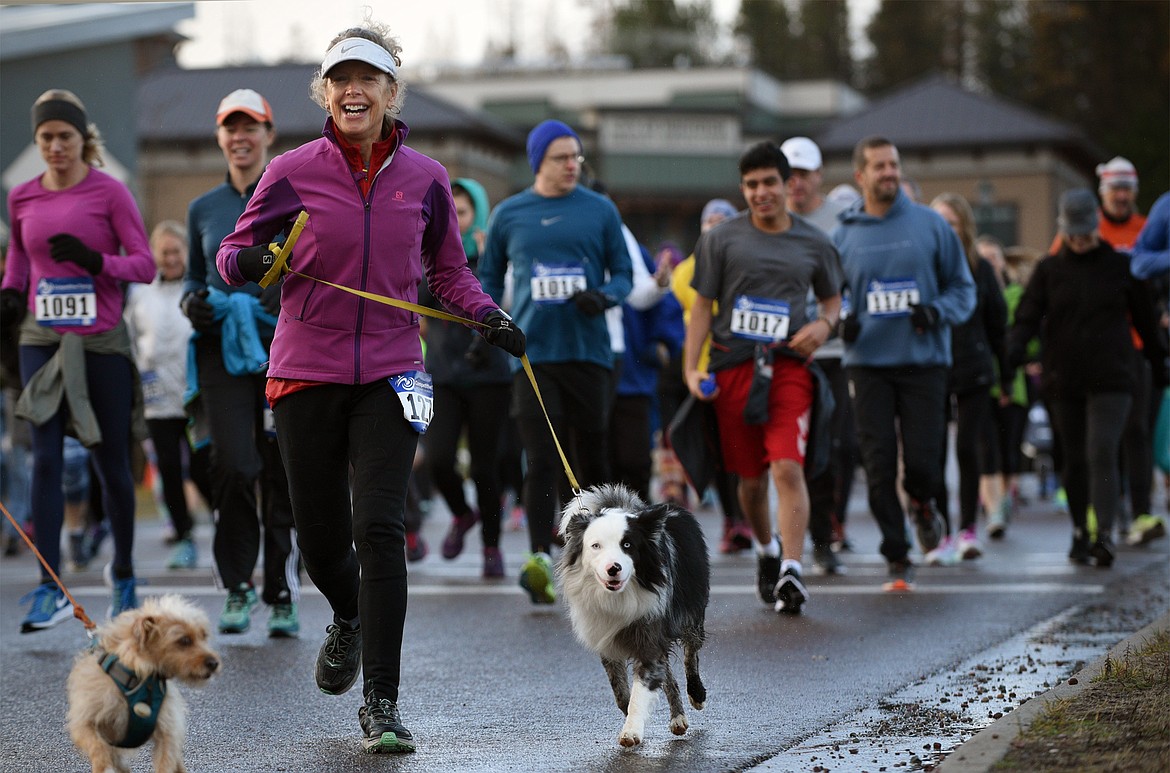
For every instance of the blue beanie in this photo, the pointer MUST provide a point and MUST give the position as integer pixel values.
(542, 136)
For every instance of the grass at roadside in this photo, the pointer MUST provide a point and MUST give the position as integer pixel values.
(1119, 722)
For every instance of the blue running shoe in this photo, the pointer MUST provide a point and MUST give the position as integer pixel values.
(125, 596)
(183, 555)
(49, 607)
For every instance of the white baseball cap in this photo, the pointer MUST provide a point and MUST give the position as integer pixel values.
(244, 101)
(802, 153)
(359, 50)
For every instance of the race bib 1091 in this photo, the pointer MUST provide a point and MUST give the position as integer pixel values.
(66, 302)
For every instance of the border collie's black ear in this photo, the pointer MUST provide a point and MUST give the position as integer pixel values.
(574, 530)
(653, 520)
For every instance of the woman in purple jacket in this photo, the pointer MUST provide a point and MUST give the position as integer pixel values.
(346, 379)
(77, 237)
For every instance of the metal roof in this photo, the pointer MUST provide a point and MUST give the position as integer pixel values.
(37, 30)
(936, 113)
(179, 105)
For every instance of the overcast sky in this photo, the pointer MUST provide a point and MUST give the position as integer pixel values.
(431, 31)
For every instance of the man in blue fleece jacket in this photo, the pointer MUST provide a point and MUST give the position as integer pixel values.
(909, 282)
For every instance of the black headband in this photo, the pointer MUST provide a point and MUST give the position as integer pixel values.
(60, 110)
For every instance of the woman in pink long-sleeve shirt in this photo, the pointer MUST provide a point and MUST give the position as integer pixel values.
(77, 238)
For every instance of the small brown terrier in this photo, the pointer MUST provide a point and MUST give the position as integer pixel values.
(118, 694)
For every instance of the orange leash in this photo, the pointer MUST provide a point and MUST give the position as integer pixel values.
(78, 610)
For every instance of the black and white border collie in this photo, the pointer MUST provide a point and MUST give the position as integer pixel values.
(636, 579)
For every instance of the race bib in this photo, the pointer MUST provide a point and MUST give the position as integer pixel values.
(416, 392)
(760, 319)
(152, 390)
(556, 284)
(66, 302)
(891, 297)
(269, 420)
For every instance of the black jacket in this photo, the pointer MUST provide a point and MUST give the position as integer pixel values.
(977, 345)
(1082, 306)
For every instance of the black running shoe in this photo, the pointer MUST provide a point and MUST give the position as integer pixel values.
(791, 594)
(382, 729)
(826, 560)
(767, 575)
(340, 659)
(1102, 553)
(930, 524)
(901, 577)
(1079, 552)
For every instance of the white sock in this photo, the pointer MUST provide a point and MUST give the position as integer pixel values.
(791, 563)
(771, 549)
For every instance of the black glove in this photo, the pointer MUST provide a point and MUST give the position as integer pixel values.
(254, 262)
(13, 307)
(502, 332)
(849, 328)
(70, 248)
(591, 302)
(270, 297)
(198, 310)
(477, 353)
(923, 316)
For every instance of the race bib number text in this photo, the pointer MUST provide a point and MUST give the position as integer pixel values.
(760, 319)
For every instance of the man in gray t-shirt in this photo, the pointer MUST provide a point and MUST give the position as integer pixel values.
(753, 274)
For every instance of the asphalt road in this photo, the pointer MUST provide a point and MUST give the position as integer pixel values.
(863, 680)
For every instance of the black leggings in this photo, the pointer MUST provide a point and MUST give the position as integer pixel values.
(353, 543)
(169, 438)
(1090, 430)
(576, 396)
(483, 410)
(110, 381)
(976, 449)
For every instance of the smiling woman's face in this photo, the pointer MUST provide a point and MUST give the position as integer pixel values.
(358, 96)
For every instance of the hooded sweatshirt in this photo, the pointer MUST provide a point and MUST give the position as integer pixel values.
(912, 252)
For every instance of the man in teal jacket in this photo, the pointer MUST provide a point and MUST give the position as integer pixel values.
(569, 264)
(909, 282)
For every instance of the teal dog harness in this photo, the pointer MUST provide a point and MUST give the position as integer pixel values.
(144, 698)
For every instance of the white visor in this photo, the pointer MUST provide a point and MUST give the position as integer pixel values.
(359, 50)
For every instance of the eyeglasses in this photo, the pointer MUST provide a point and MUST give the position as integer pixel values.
(565, 158)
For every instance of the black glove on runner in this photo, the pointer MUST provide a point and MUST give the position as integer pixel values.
(198, 310)
(849, 329)
(502, 332)
(923, 316)
(70, 248)
(13, 306)
(591, 302)
(254, 262)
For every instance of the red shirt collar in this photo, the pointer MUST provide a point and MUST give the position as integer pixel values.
(381, 151)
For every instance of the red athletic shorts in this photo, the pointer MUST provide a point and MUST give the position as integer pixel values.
(748, 449)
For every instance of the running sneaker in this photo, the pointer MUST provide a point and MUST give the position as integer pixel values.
(340, 658)
(767, 577)
(49, 607)
(125, 596)
(1079, 552)
(536, 577)
(826, 560)
(929, 523)
(901, 577)
(1102, 553)
(183, 555)
(283, 621)
(968, 546)
(790, 593)
(997, 519)
(382, 727)
(236, 616)
(124, 591)
(493, 563)
(946, 554)
(1145, 528)
(460, 525)
(416, 547)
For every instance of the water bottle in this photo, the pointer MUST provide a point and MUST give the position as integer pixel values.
(707, 385)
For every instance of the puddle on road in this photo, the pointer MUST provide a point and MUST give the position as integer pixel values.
(918, 726)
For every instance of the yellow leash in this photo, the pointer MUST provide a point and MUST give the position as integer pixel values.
(280, 266)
